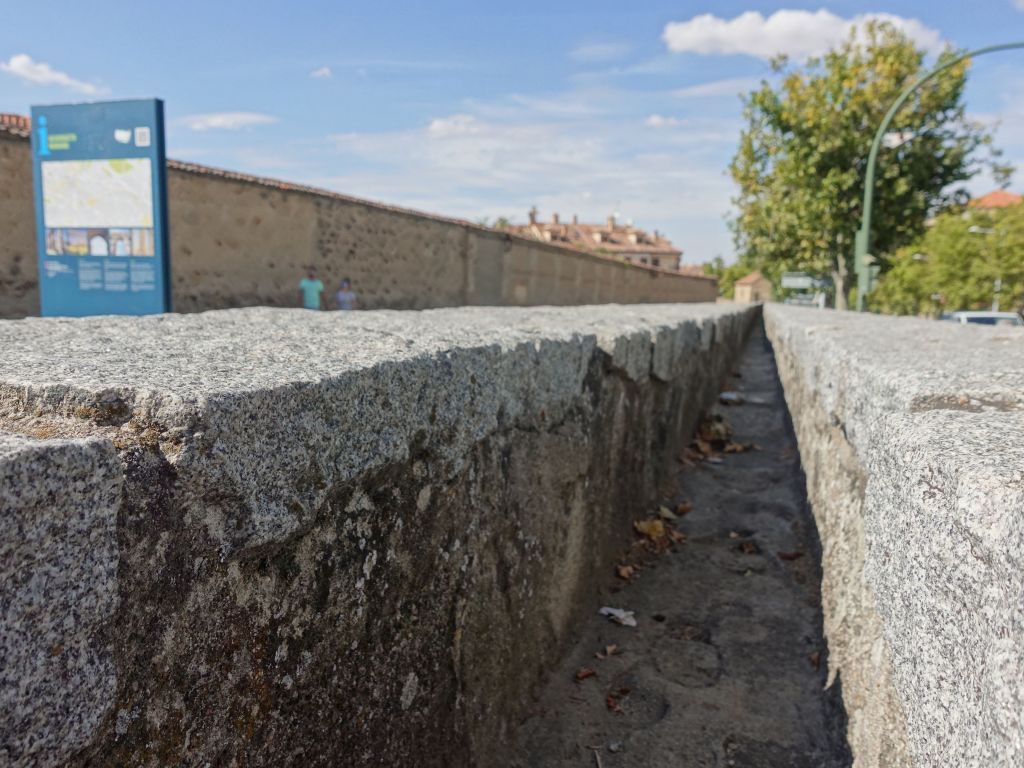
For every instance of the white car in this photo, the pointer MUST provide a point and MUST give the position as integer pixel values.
(986, 318)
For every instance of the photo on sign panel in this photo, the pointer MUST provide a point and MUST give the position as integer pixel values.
(120, 242)
(76, 242)
(142, 242)
(54, 242)
(99, 242)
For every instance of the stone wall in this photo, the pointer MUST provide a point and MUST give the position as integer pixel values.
(911, 434)
(19, 273)
(262, 536)
(238, 240)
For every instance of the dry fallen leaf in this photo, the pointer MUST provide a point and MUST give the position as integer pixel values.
(790, 555)
(625, 572)
(815, 659)
(749, 548)
(738, 447)
(676, 536)
(613, 698)
(684, 508)
(653, 529)
(583, 673)
(733, 535)
(609, 651)
(667, 514)
(715, 429)
(703, 446)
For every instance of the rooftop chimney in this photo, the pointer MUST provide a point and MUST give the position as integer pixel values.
(533, 215)
(611, 223)
(554, 218)
(575, 219)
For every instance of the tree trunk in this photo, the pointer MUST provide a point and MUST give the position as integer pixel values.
(839, 281)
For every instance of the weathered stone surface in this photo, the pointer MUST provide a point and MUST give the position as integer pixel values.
(723, 666)
(359, 537)
(912, 437)
(58, 568)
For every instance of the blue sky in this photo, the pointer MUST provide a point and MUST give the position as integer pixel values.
(588, 107)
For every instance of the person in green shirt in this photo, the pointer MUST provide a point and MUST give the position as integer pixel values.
(310, 288)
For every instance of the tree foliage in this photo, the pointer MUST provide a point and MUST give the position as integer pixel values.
(802, 157)
(954, 265)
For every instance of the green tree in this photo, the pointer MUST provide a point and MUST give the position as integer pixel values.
(956, 263)
(801, 161)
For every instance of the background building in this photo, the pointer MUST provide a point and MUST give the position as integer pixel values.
(752, 289)
(999, 198)
(624, 241)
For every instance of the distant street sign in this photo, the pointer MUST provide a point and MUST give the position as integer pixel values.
(799, 281)
(101, 208)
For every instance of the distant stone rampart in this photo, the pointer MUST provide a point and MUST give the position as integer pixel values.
(240, 240)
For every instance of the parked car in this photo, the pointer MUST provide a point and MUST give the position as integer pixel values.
(986, 318)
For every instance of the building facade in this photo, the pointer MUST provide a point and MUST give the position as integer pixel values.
(754, 288)
(623, 241)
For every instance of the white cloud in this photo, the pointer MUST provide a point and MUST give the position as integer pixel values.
(501, 157)
(599, 52)
(229, 121)
(24, 66)
(1019, 4)
(730, 87)
(799, 34)
(1006, 121)
(455, 125)
(660, 121)
(572, 105)
(322, 72)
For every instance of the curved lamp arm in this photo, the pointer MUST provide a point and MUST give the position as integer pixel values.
(862, 244)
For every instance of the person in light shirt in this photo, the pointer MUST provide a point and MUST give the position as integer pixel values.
(345, 298)
(310, 288)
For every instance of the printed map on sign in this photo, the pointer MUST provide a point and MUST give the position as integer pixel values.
(98, 193)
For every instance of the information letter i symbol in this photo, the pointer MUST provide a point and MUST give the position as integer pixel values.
(44, 137)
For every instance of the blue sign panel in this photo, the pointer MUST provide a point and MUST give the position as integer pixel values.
(101, 208)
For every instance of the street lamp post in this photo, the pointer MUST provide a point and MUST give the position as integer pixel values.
(864, 264)
(997, 284)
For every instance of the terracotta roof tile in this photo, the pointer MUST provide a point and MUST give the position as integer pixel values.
(18, 125)
(999, 198)
(753, 277)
